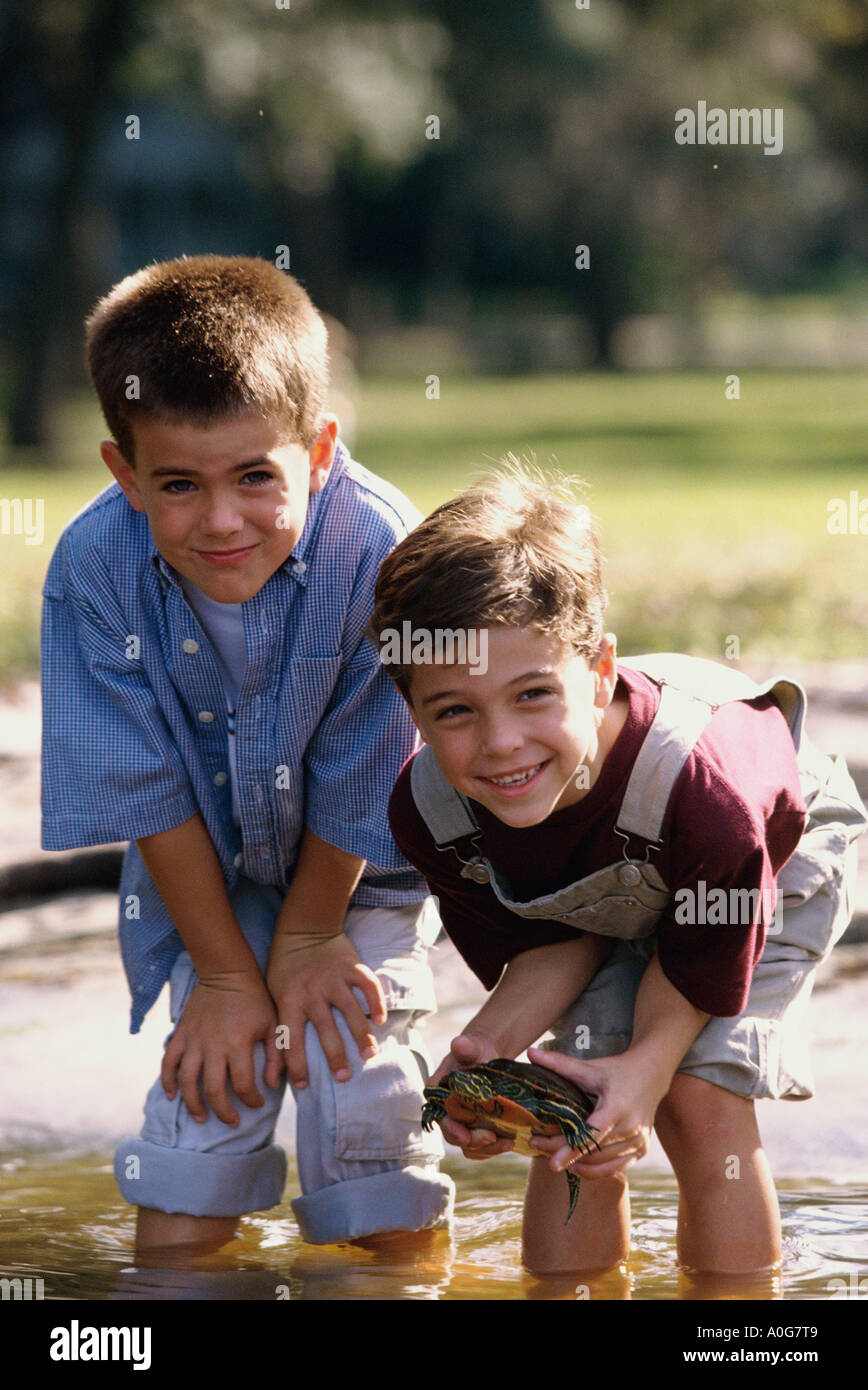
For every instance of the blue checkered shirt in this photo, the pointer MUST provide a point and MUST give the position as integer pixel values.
(135, 718)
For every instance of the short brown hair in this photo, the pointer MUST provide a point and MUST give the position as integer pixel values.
(205, 338)
(515, 548)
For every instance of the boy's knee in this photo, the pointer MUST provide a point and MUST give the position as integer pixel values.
(364, 1162)
(693, 1110)
(375, 1118)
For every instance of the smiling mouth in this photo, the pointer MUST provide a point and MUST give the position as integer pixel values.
(225, 557)
(510, 781)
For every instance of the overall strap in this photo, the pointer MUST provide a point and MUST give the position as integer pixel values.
(675, 731)
(691, 690)
(443, 809)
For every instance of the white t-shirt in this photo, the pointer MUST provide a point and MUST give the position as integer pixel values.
(224, 624)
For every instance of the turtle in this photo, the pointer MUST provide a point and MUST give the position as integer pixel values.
(516, 1100)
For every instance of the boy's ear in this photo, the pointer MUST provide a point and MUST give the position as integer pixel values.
(606, 671)
(123, 472)
(322, 453)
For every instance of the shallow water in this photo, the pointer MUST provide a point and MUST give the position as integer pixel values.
(62, 1220)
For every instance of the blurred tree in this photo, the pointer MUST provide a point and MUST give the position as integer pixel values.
(58, 67)
(559, 132)
(566, 137)
(293, 93)
(835, 90)
(431, 153)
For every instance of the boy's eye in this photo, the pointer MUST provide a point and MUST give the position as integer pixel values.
(257, 477)
(531, 695)
(450, 711)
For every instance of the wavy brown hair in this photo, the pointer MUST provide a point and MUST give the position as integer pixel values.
(515, 548)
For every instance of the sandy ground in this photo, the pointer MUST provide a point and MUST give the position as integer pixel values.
(74, 1078)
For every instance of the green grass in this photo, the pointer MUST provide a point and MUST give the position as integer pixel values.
(713, 512)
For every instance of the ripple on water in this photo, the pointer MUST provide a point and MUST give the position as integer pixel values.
(63, 1219)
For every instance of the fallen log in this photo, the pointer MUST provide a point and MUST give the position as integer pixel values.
(48, 877)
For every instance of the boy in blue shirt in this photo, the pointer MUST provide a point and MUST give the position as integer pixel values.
(208, 695)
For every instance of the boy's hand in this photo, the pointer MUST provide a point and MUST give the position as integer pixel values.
(467, 1050)
(535, 988)
(224, 1016)
(628, 1094)
(308, 976)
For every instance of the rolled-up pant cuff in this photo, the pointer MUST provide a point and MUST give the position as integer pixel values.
(199, 1184)
(414, 1198)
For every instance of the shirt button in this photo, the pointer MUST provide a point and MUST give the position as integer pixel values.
(238, 860)
(221, 779)
(299, 567)
(190, 646)
(629, 876)
(205, 716)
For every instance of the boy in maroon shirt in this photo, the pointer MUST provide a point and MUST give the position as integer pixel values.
(648, 862)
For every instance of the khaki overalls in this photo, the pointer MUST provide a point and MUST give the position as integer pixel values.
(764, 1052)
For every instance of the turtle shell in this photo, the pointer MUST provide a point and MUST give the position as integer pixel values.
(517, 1108)
(518, 1101)
(541, 1081)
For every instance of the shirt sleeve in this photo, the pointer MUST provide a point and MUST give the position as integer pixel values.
(110, 768)
(364, 737)
(726, 851)
(711, 962)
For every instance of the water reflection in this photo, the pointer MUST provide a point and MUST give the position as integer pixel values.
(63, 1221)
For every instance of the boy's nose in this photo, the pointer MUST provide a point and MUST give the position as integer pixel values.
(499, 737)
(220, 517)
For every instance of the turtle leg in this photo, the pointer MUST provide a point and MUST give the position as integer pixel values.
(434, 1109)
(578, 1135)
(573, 1184)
